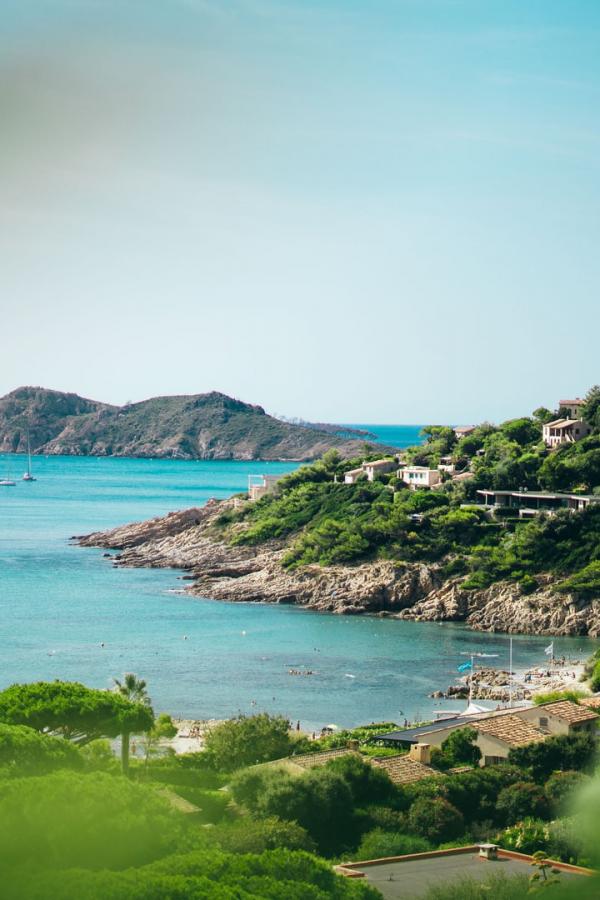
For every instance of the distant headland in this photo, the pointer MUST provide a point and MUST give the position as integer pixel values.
(196, 426)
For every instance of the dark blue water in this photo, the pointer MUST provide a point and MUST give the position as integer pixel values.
(59, 602)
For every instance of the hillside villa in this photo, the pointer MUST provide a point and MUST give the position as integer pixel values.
(531, 503)
(500, 730)
(419, 476)
(370, 469)
(259, 485)
(570, 427)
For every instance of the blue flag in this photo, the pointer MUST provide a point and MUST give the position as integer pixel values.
(465, 667)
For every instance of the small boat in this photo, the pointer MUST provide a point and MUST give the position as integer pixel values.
(28, 476)
(7, 482)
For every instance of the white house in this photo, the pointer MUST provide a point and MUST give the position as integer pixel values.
(371, 469)
(419, 476)
(353, 475)
(259, 485)
(379, 467)
(564, 431)
(462, 431)
(446, 464)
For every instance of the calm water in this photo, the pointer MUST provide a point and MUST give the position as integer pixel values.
(394, 435)
(58, 603)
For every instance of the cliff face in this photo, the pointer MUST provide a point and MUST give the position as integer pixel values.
(186, 540)
(200, 426)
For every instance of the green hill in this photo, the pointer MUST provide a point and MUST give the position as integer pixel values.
(198, 426)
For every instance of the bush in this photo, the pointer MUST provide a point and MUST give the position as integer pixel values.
(516, 801)
(201, 875)
(368, 785)
(435, 819)
(560, 788)
(499, 886)
(246, 740)
(527, 836)
(320, 801)
(251, 836)
(460, 748)
(378, 844)
(561, 752)
(24, 751)
(97, 820)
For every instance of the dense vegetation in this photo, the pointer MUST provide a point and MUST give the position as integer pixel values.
(325, 521)
(72, 824)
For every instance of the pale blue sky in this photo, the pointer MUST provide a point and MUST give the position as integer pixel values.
(378, 211)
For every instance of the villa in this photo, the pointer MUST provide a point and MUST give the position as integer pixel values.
(564, 431)
(462, 431)
(259, 485)
(370, 470)
(499, 731)
(570, 427)
(532, 503)
(419, 476)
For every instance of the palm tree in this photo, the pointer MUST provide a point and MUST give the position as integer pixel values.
(133, 689)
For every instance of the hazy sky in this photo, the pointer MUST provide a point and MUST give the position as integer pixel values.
(374, 211)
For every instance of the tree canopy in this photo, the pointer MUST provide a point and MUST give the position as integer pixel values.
(246, 740)
(76, 712)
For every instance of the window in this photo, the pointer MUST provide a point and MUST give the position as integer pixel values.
(543, 722)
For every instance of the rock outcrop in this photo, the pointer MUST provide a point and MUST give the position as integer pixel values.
(189, 540)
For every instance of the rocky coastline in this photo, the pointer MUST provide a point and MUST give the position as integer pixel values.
(188, 540)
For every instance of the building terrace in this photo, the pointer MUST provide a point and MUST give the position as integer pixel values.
(531, 503)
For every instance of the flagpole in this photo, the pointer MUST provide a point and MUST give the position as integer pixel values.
(471, 682)
(510, 676)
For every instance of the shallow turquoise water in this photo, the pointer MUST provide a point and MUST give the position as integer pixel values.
(59, 602)
(394, 435)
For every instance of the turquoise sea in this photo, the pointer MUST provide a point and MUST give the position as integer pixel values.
(59, 603)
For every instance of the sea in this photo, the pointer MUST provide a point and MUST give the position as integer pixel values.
(68, 613)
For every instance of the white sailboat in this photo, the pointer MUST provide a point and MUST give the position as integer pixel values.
(27, 475)
(7, 482)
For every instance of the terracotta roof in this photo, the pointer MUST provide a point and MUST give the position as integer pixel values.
(591, 702)
(403, 769)
(577, 402)
(510, 730)
(310, 760)
(379, 462)
(561, 423)
(569, 712)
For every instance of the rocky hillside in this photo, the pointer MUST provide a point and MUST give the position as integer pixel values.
(199, 426)
(189, 540)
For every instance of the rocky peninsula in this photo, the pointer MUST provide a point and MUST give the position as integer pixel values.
(190, 540)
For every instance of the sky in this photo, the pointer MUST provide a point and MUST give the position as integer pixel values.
(376, 211)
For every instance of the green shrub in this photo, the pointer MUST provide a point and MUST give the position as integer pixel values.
(255, 836)
(97, 820)
(378, 844)
(561, 787)
(24, 751)
(460, 748)
(435, 819)
(527, 836)
(561, 752)
(247, 740)
(516, 801)
(499, 886)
